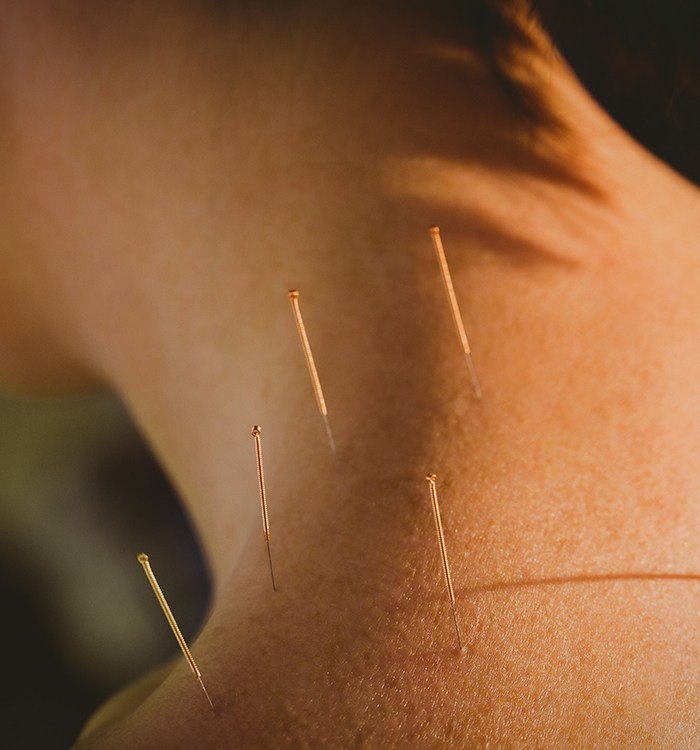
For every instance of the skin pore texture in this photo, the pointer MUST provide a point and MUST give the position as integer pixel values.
(171, 170)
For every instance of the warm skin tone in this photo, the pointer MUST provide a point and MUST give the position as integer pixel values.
(169, 178)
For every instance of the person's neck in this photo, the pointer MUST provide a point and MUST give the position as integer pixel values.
(339, 208)
(213, 349)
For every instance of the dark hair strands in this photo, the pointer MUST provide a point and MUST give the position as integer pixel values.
(639, 58)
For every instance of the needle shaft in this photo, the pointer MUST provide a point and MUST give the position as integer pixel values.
(432, 481)
(454, 307)
(145, 563)
(311, 365)
(263, 499)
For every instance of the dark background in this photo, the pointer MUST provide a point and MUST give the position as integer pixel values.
(80, 497)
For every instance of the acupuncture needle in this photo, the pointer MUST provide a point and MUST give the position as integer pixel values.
(432, 481)
(143, 559)
(313, 372)
(454, 307)
(255, 432)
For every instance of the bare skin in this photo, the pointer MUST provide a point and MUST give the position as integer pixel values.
(171, 174)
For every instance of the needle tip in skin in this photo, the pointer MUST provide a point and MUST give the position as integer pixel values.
(459, 634)
(472, 374)
(272, 572)
(327, 425)
(206, 692)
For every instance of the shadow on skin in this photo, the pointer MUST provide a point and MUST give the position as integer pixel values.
(564, 580)
(436, 655)
(490, 588)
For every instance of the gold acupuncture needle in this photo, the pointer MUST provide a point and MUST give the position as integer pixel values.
(432, 481)
(143, 559)
(454, 307)
(315, 381)
(263, 500)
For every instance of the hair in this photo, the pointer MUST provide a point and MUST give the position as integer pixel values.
(639, 58)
